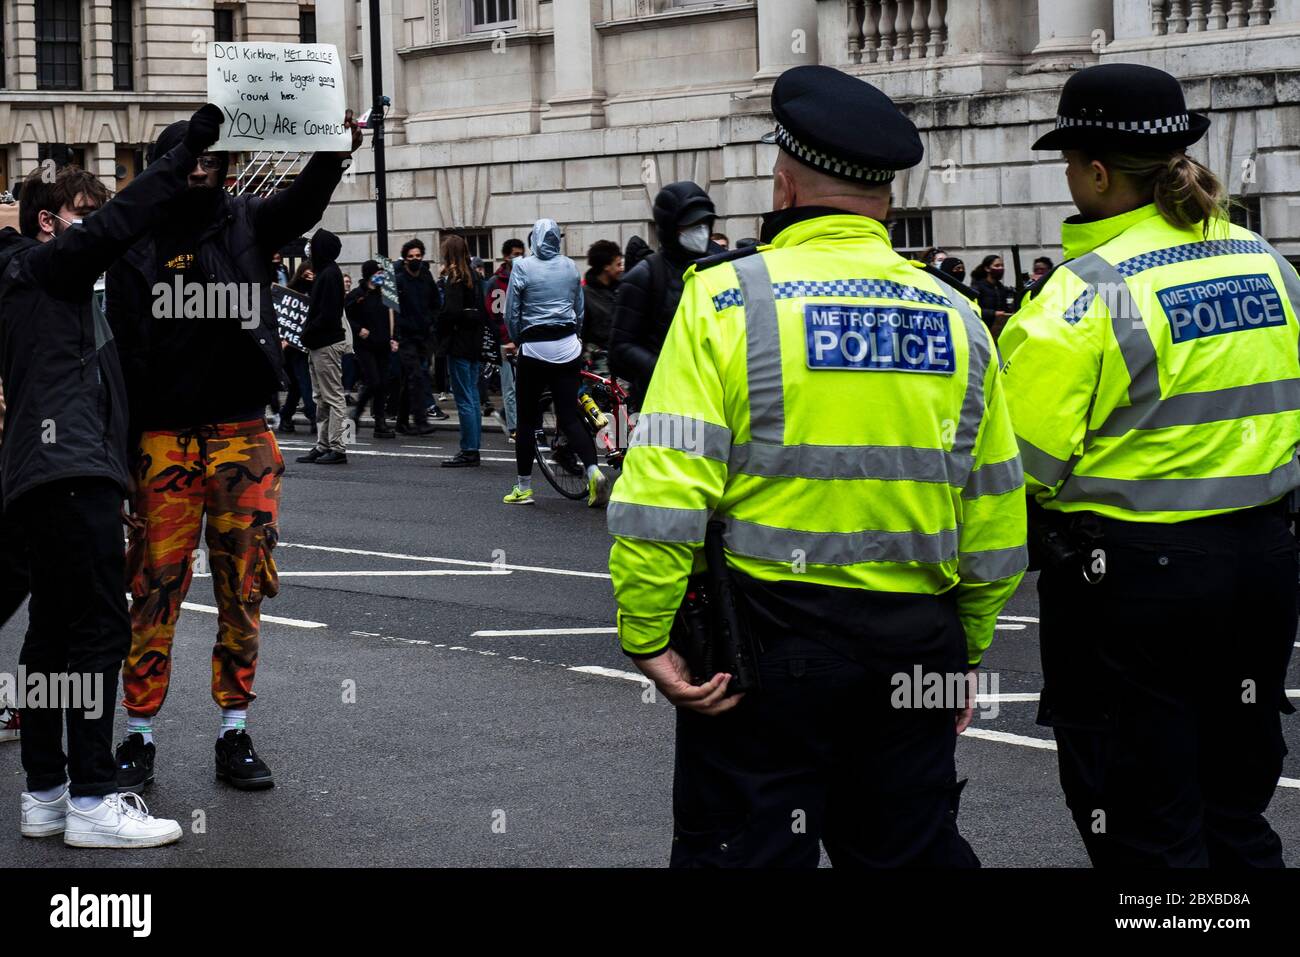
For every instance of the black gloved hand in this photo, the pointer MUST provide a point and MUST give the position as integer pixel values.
(204, 129)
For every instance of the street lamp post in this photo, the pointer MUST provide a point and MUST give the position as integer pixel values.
(377, 125)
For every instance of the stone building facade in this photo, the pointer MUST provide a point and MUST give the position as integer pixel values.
(96, 80)
(508, 110)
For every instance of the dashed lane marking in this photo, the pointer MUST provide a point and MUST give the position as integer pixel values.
(273, 619)
(545, 631)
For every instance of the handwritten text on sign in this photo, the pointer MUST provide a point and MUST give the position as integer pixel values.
(278, 96)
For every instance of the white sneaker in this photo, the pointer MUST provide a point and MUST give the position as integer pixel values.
(43, 818)
(120, 820)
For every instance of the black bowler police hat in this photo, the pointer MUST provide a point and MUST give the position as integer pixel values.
(842, 126)
(1123, 106)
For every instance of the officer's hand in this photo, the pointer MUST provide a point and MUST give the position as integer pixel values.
(967, 714)
(673, 679)
(204, 128)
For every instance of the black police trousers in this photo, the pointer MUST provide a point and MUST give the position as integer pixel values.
(1164, 684)
(819, 754)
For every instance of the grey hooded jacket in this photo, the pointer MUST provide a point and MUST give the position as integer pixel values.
(544, 301)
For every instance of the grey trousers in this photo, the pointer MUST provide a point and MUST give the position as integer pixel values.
(326, 367)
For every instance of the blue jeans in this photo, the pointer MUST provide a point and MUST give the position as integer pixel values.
(464, 375)
(508, 391)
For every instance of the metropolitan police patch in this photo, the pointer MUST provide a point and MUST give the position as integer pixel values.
(878, 338)
(1212, 307)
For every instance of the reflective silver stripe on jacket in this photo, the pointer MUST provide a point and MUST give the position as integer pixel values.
(886, 462)
(1183, 494)
(762, 352)
(972, 408)
(839, 548)
(995, 478)
(1048, 469)
(683, 433)
(992, 565)
(657, 524)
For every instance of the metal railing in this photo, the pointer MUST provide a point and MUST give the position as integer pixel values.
(265, 172)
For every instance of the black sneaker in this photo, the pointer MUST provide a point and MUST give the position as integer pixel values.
(333, 458)
(437, 413)
(286, 428)
(135, 763)
(311, 456)
(463, 460)
(239, 765)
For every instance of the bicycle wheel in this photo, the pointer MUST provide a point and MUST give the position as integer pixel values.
(557, 459)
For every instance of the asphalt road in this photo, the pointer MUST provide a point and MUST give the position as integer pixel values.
(410, 718)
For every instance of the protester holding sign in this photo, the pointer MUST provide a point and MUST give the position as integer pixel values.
(201, 444)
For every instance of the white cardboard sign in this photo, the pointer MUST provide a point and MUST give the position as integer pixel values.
(278, 96)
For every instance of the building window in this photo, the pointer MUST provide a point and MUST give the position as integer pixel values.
(58, 44)
(492, 14)
(223, 25)
(1244, 211)
(479, 241)
(911, 231)
(307, 25)
(62, 154)
(122, 56)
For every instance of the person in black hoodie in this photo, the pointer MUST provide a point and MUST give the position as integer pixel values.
(323, 335)
(417, 295)
(648, 297)
(600, 287)
(296, 369)
(200, 444)
(64, 469)
(374, 339)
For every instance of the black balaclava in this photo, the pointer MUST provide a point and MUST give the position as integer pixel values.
(197, 205)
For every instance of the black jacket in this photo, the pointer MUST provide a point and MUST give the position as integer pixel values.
(235, 246)
(461, 321)
(598, 312)
(994, 297)
(648, 296)
(66, 414)
(418, 297)
(324, 323)
(366, 310)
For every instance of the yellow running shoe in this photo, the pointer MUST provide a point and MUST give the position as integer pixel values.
(519, 496)
(597, 490)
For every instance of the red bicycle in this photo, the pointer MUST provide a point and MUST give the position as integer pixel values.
(602, 404)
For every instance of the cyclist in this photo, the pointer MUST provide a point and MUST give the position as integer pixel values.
(544, 311)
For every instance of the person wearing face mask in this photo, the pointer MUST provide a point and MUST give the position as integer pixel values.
(997, 302)
(64, 471)
(648, 296)
(878, 540)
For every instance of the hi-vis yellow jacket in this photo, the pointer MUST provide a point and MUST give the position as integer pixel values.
(1156, 377)
(837, 407)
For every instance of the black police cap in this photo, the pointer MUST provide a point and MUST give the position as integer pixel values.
(842, 126)
(1123, 106)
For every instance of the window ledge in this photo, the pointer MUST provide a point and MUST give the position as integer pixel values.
(694, 14)
(472, 41)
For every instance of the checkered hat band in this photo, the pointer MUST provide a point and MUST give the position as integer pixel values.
(1170, 124)
(837, 289)
(829, 164)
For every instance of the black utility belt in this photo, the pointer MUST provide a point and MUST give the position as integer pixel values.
(548, 333)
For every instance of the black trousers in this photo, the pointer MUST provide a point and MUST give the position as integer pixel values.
(819, 754)
(1164, 685)
(13, 566)
(414, 356)
(532, 378)
(374, 384)
(78, 625)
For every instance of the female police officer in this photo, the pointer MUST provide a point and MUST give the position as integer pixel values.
(1154, 389)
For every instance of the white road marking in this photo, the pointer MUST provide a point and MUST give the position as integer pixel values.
(1032, 621)
(293, 622)
(446, 561)
(612, 673)
(1007, 738)
(545, 631)
(405, 572)
(1016, 696)
(1010, 627)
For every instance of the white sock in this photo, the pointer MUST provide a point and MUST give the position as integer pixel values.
(49, 794)
(87, 803)
(524, 482)
(142, 726)
(233, 719)
(593, 471)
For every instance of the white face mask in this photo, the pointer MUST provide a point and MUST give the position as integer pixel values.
(695, 239)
